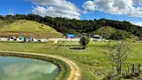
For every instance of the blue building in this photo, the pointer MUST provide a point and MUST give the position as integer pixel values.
(70, 36)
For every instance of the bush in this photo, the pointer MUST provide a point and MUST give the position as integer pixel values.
(119, 35)
(84, 41)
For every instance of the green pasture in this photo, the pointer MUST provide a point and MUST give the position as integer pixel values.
(29, 29)
(93, 60)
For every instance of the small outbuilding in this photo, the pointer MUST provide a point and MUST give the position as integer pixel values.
(70, 36)
(96, 36)
(30, 39)
(22, 38)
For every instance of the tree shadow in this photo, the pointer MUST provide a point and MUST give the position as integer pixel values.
(77, 48)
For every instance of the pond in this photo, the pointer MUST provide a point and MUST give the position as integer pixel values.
(13, 68)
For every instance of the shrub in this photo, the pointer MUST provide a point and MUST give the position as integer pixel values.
(84, 41)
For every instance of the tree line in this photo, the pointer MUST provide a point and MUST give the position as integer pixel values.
(65, 25)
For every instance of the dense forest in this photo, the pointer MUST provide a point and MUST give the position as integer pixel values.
(65, 25)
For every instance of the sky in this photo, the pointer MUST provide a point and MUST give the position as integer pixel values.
(129, 10)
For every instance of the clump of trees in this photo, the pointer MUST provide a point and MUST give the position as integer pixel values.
(122, 35)
(114, 34)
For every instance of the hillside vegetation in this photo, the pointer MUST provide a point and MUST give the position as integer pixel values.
(115, 34)
(29, 29)
(65, 25)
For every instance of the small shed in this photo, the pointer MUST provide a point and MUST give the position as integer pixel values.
(96, 36)
(22, 38)
(70, 35)
(30, 39)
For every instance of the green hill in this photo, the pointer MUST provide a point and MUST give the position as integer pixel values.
(112, 33)
(28, 29)
(65, 25)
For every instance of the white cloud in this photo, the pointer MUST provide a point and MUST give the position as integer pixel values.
(138, 23)
(56, 8)
(120, 7)
(89, 5)
(10, 12)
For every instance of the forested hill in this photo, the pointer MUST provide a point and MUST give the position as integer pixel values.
(65, 25)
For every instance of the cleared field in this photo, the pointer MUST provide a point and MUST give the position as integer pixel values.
(29, 29)
(93, 61)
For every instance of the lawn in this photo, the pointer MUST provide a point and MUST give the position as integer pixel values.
(92, 61)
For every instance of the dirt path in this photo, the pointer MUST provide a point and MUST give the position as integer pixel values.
(75, 71)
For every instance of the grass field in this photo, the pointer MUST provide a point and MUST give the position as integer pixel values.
(92, 61)
(28, 28)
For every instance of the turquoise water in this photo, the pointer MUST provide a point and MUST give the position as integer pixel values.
(12, 68)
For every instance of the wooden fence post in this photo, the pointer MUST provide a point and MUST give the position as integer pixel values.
(133, 68)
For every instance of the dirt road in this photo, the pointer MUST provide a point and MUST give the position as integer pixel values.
(75, 71)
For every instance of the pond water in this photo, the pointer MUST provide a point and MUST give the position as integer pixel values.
(13, 68)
